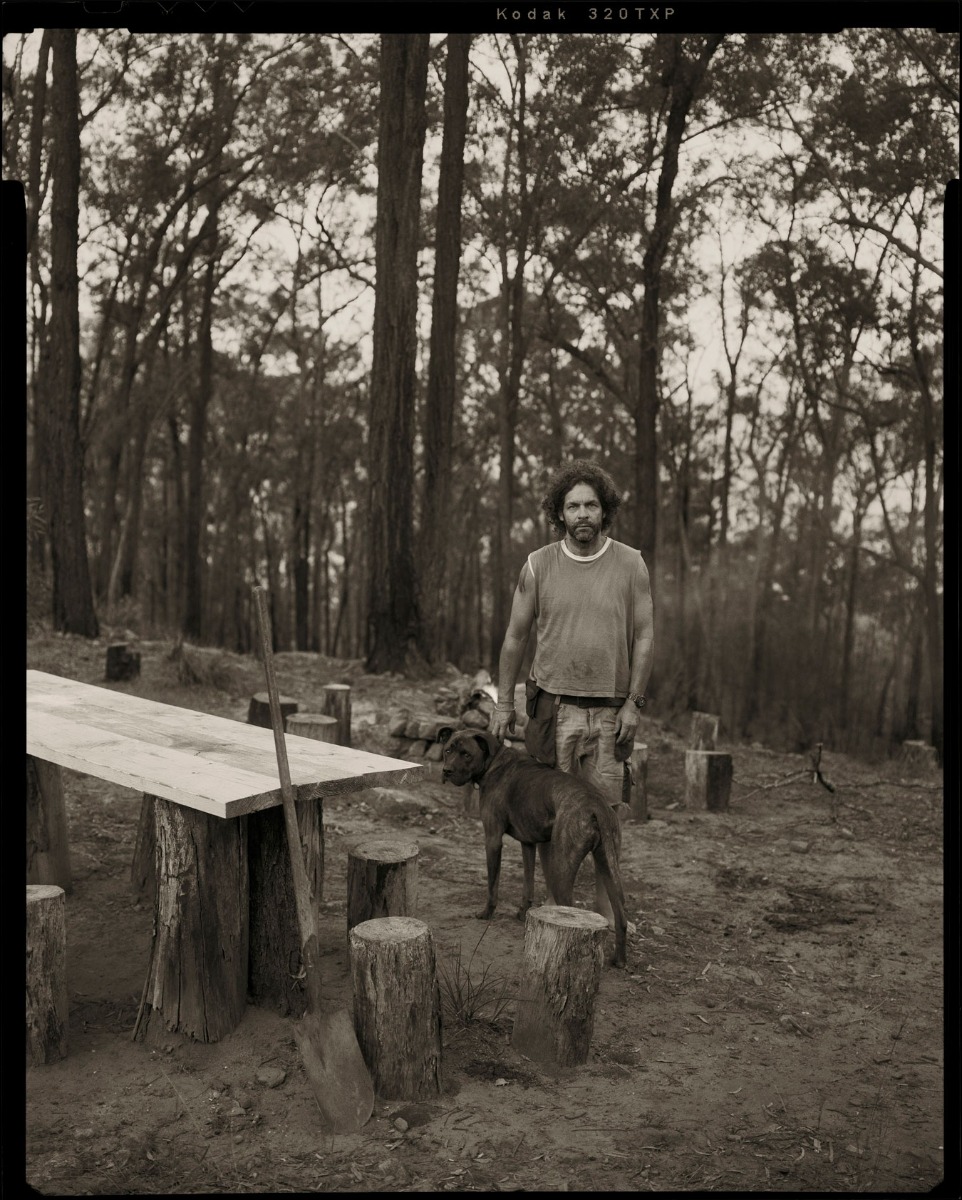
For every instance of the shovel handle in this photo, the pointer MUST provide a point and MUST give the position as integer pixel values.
(302, 888)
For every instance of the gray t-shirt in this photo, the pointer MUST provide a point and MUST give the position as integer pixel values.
(585, 618)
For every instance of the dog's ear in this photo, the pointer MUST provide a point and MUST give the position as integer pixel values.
(487, 741)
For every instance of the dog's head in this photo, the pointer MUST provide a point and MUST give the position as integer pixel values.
(467, 755)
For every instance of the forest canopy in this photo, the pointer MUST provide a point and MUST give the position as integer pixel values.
(322, 312)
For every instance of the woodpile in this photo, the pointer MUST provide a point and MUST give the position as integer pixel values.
(420, 737)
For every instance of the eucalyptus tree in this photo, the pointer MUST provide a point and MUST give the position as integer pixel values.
(59, 372)
(392, 609)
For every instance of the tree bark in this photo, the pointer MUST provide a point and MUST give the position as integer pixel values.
(397, 1006)
(47, 1003)
(382, 880)
(58, 393)
(441, 398)
(560, 974)
(684, 77)
(392, 610)
(197, 977)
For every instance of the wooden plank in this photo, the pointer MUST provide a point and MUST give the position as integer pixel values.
(219, 766)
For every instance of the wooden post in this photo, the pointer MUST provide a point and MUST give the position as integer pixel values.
(46, 974)
(382, 880)
(708, 779)
(318, 726)
(919, 756)
(122, 664)
(259, 711)
(639, 782)
(274, 957)
(560, 973)
(197, 975)
(48, 852)
(704, 731)
(337, 703)
(143, 867)
(397, 1006)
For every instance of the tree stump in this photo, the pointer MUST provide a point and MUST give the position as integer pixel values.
(48, 852)
(337, 703)
(638, 769)
(318, 726)
(919, 756)
(259, 711)
(708, 779)
(143, 867)
(397, 1006)
(122, 663)
(274, 957)
(197, 975)
(704, 731)
(46, 974)
(382, 880)
(560, 973)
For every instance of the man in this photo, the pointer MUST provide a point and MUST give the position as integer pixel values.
(589, 599)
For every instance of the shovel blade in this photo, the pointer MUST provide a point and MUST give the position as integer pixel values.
(336, 1069)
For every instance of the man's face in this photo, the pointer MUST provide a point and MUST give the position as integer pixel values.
(582, 513)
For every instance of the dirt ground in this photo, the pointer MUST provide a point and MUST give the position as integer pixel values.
(779, 1027)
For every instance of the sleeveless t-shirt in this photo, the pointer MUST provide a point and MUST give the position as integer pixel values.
(584, 613)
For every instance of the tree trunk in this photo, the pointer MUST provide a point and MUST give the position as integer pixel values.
(440, 401)
(197, 977)
(393, 619)
(58, 394)
(684, 77)
(47, 1003)
(193, 626)
(397, 1006)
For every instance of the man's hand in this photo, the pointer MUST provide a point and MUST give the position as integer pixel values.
(627, 722)
(502, 720)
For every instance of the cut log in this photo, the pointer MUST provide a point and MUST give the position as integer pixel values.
(382, 880)
(560, 972)
(415, 750)
(143, 868)
(397, 1006)
(704, 731)
(436, 729)
(638, 770)
(919, 756)
(398, 725)
(274, 960)
(318, 726)
(46, 974)
(122, 663)
(337, 703)
(197, 975)
(434, 752)
(48, 852)
(472, 719)
(259, 711)
(708, 779)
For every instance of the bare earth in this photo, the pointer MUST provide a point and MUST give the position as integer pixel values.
(779, 1027)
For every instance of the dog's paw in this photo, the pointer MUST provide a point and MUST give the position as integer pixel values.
(522, 912)
(486, 915)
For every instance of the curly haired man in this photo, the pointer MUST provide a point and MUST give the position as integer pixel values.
(589, 600)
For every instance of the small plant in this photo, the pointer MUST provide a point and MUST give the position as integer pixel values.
(467, 998)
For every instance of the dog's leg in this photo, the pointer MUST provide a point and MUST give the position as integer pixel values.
(527, 896)
(608, 876)
(544, 854)
(492, 848)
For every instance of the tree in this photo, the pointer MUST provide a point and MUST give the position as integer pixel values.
(393, 616)
(58, 392)
(439, 403)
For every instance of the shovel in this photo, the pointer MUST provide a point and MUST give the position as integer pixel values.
(328, 1044)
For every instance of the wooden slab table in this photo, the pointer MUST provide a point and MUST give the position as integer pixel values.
(224, 918)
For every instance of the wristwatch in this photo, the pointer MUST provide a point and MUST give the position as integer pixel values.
(637, 700)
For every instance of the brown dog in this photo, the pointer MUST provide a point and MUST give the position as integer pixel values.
(563, 815)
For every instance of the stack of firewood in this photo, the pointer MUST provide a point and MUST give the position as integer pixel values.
(421, 736)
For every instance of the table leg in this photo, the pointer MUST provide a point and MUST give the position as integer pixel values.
(275, 941)
(48, 854)
(197, 975)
